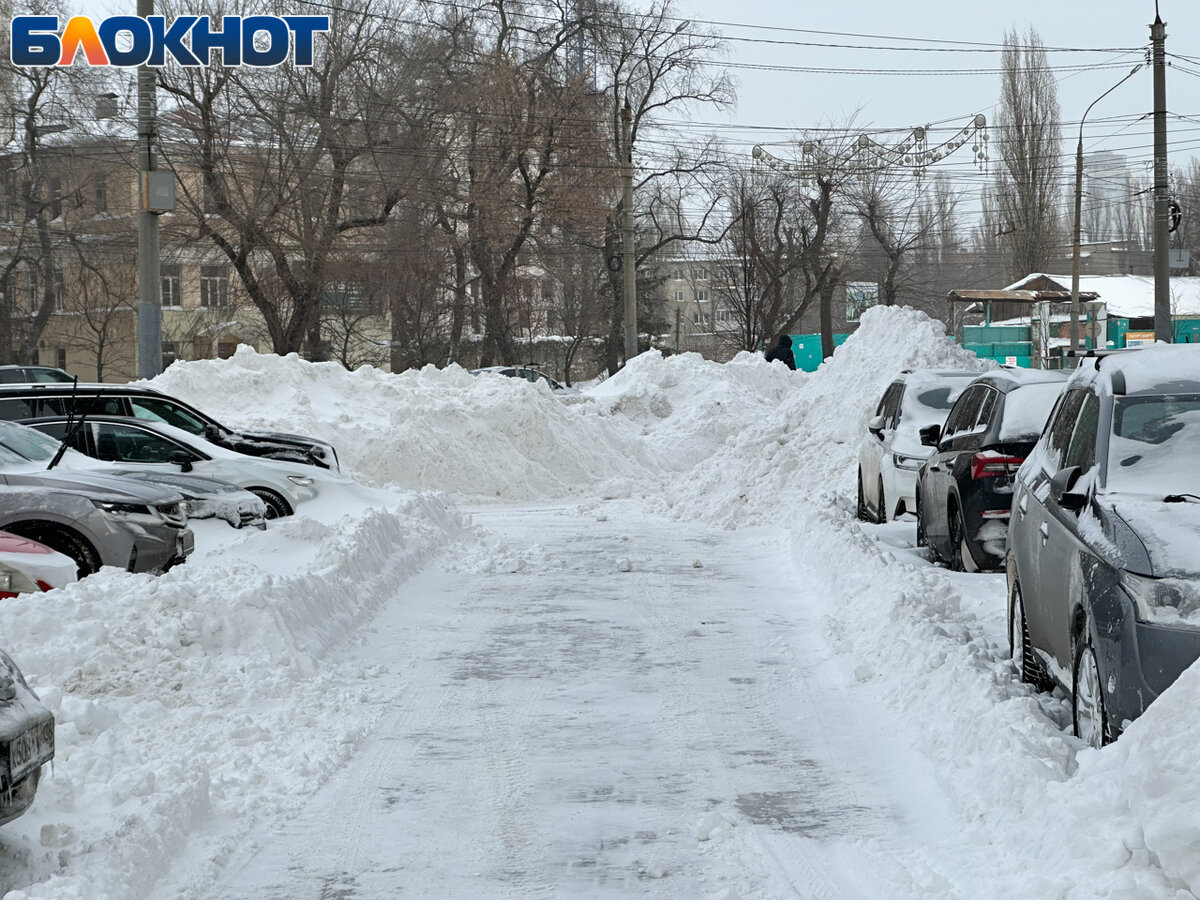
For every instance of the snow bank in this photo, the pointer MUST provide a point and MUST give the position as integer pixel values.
(201, 697)
(428, 429)
(807, 445)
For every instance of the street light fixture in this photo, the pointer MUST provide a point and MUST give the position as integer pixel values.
(1078, 205)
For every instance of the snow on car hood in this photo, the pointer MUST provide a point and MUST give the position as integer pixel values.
(1169, 533)
(91, 483)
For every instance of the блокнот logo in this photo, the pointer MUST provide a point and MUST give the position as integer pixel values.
(133, 41)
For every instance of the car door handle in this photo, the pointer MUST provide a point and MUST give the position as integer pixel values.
(1044, 531)
(935, 468)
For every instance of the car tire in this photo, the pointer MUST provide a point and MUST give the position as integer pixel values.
(861, 512)
(1020, 650)
(277, 507)
(882, 517)
(921, 539)
(1089, 718)
(64, 540)
(961, 559)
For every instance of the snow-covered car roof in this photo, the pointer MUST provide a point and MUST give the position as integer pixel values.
(1155, 368)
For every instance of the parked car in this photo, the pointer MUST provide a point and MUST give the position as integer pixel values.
(891, 452)
(97, 520)
(26, 740)
(1103, 558)
(964, 488)
(205, 498)
(27, 567)
(528, 373)
(27, 374)
(38, 401)
(158, 447)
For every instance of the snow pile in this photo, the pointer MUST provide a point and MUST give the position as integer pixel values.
(808, 444)
(179, 699)
(428, 429)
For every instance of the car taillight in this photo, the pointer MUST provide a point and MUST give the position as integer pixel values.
(989, 464)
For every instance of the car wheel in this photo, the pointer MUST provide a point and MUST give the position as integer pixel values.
(1019, 647)
(277, 507)
(921, 541)
(883, 507)
(961, 559)
(1087, 699)
(863, 515)
(64, 540)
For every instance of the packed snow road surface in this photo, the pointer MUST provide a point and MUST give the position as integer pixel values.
(603, 703)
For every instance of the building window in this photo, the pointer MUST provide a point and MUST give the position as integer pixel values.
(170, 352)
(101, 195)
(702, 274)
(60, 357)
(60, 292)
(679, 296)
(701, 296)
(226, 349)
(214, 286)
(54, 198)
(172, 285)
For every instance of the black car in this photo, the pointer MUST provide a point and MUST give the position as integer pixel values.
(19, 403)
(964, 489)
(1103, 556)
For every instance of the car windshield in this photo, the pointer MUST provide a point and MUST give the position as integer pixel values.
(27, 442)
(1155, 444)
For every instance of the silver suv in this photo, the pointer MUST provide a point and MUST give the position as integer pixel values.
(97, 520)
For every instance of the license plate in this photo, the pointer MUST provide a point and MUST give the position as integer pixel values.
(30, 749)
(187, 542)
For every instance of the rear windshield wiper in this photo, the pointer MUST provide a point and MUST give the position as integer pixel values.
(1181, 498)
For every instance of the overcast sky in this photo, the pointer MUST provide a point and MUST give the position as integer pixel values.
(934, 34)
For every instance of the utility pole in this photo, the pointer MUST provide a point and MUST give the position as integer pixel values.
(149, 315)
(1163, 330)
(1078, 205)
(628, 257)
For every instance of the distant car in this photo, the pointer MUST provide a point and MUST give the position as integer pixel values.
(38, 401)
(34, 374)
(155, 446)
(964, 488)
(26, 740)
(891, 452)
(1103, 558)
(206, 497)
(28, 567)
(528, 373)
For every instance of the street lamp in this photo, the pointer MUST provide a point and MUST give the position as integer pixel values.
(1078, 204)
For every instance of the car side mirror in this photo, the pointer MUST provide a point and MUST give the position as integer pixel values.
(211, 433)
(182, 460)
(875, 425)
(1061, 489)
(930, 435)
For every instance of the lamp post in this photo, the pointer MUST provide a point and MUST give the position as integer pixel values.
(1078, 205)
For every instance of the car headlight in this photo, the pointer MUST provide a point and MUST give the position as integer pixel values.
(122, 509)
(302, 480)
(1164, 601)
(912, 463)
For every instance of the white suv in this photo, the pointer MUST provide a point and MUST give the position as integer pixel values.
(891, 452)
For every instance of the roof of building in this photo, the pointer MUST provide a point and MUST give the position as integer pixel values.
(1127, 296)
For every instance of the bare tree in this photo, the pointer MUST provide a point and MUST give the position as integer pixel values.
(1029, 181)
(282, 168)
(662, 66)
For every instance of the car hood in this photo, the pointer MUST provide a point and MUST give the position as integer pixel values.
(92, 484)
(1154, 538)
(295, 447)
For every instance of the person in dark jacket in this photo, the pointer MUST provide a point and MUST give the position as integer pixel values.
(782, 351)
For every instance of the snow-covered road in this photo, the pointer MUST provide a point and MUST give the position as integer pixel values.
(557, 726)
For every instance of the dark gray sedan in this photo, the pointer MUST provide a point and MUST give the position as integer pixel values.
(1103, 556)
(26, 740)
